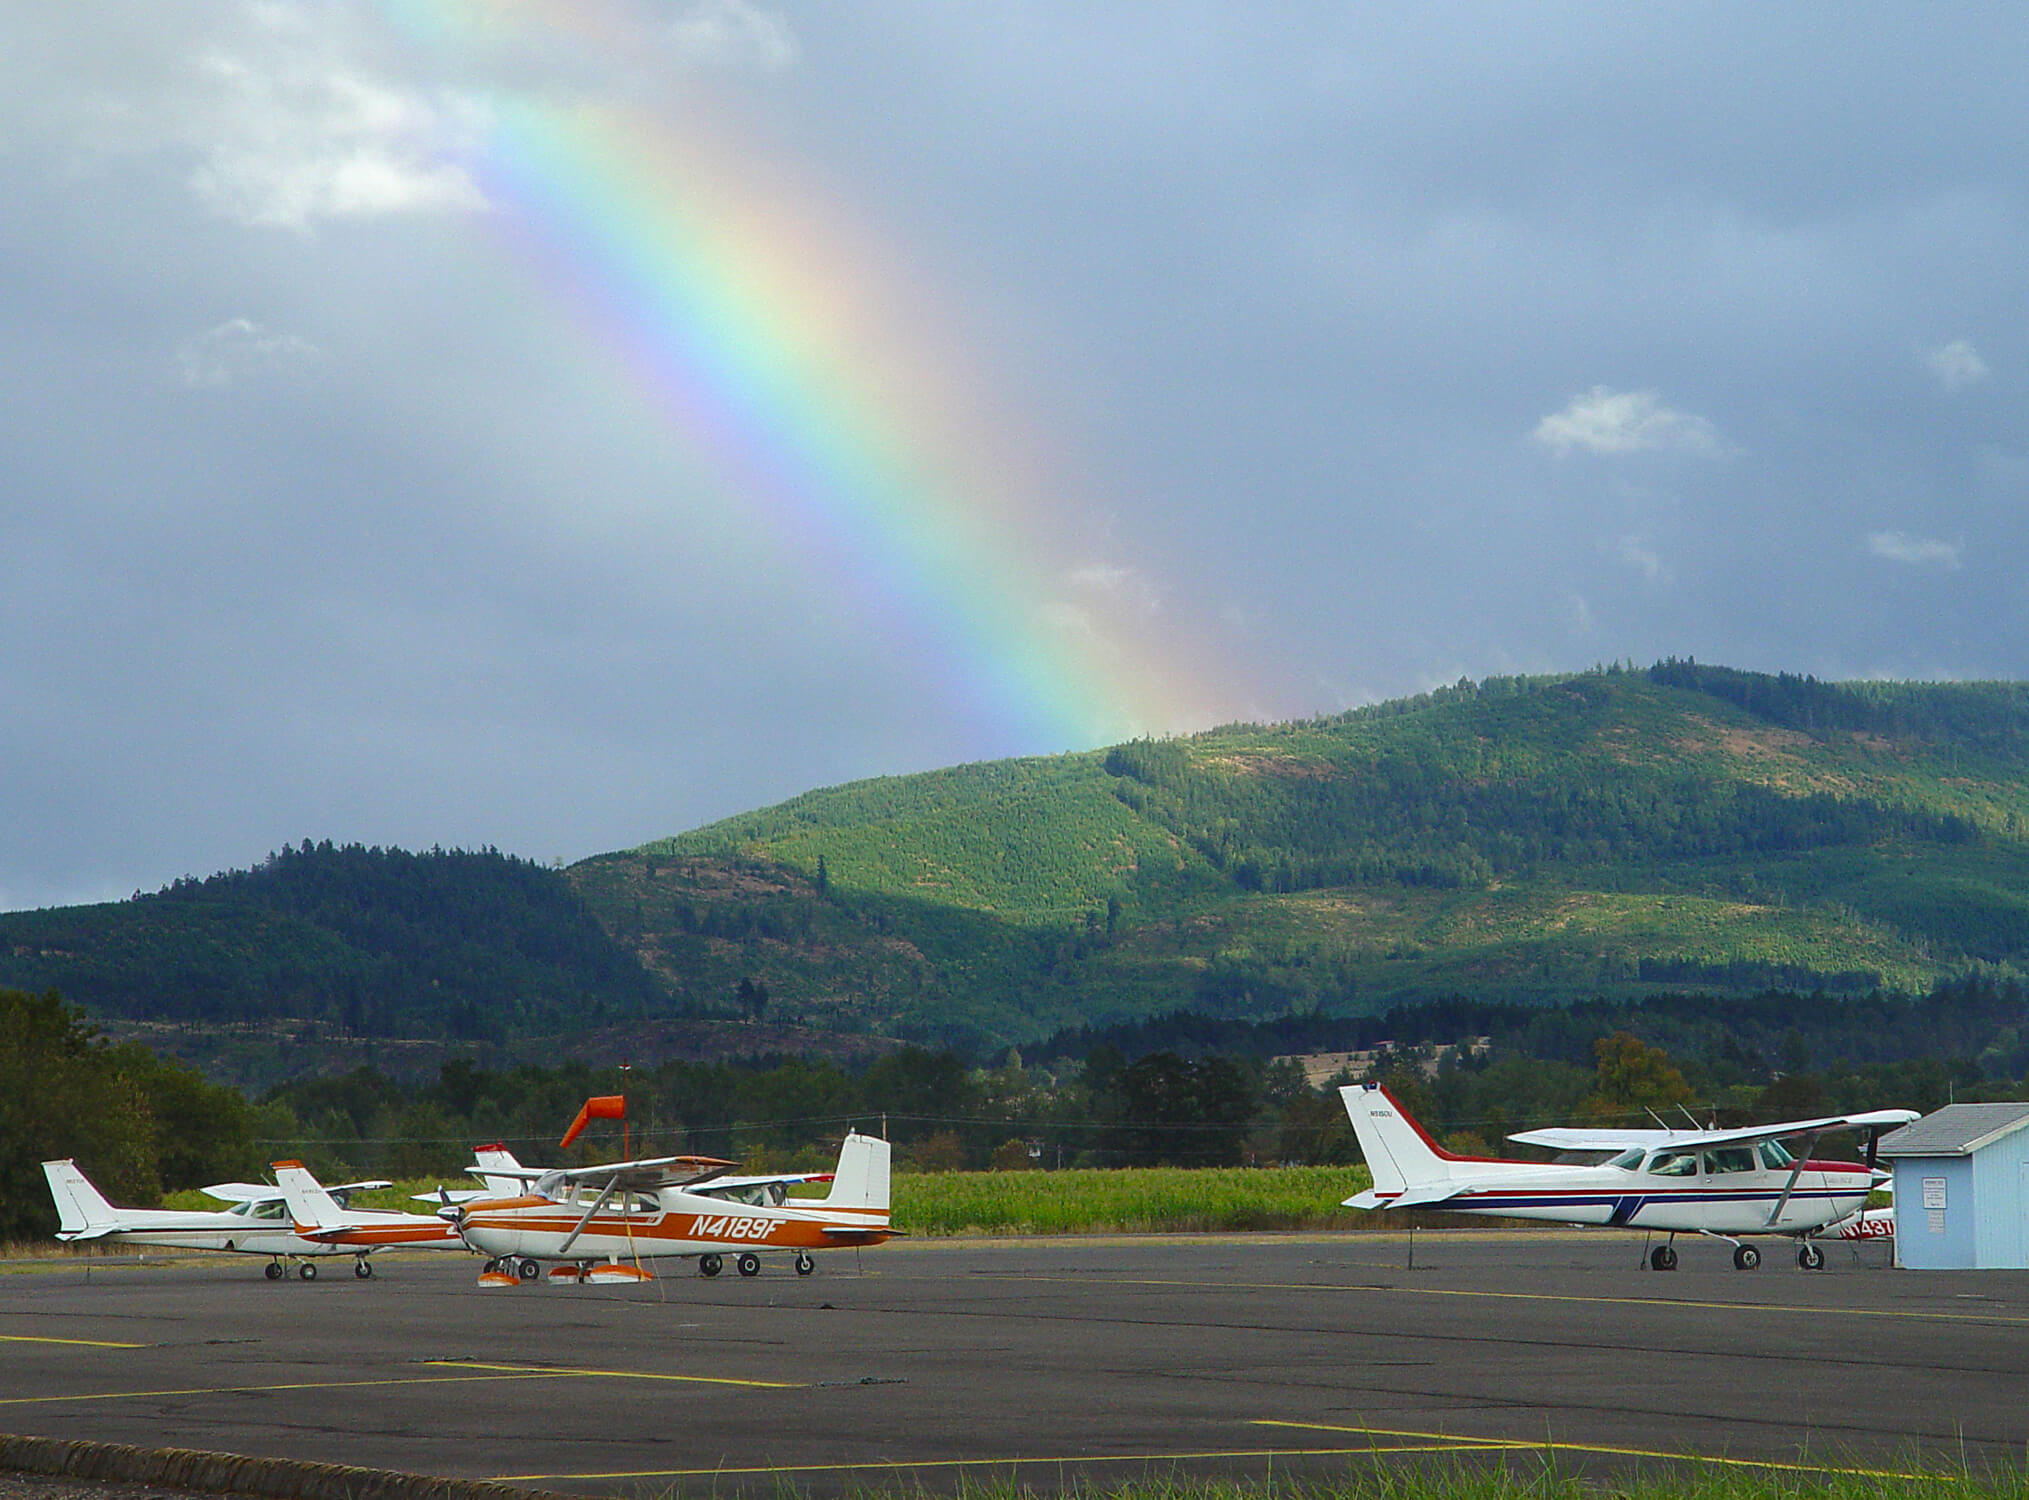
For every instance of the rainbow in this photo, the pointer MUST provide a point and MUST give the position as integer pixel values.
(788, 371)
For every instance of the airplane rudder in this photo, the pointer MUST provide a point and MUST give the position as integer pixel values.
(861, 1180)
(79, 1205)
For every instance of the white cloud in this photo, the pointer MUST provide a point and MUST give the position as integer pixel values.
(1956, 365)
(1604, 421)
(236, 349)
(1921, 552)
(1123, 586)
(288, 131)
(733, 33)
(1643, 558)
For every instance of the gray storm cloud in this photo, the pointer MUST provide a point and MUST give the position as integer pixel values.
(1373, 347)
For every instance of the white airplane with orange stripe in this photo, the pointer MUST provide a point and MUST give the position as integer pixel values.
(321, 1219)
(1728, 1184)
(600, 1223)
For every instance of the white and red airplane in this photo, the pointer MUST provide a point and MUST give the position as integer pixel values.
(257, 1224)
(1728, 1184)
(599, 1223)
(320, 1219)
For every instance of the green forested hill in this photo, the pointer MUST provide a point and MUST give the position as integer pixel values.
(1521, 838)
(1611, 833)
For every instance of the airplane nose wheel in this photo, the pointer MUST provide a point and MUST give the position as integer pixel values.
(804, 1264)
(709, 1265)
(1745, 1257)
(1663, 1258)
(307, 1271)
(749, 1263)
(362, 1270)
(1810, 1257)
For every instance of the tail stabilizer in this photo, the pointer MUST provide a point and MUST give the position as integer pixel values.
(497, 1156)
(82, 1212)
(309, 1204)
(861, 1180)
(1399, 1155)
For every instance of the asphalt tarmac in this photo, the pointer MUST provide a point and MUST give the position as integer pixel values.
(1047, 1361)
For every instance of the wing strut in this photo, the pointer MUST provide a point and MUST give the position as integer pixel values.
(597, 1204)
(1810, 1142)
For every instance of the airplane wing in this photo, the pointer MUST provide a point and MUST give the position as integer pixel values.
(635, 1176)
(787, 1179)
(267, 1192)
(243, 1192)
(1583, 1138)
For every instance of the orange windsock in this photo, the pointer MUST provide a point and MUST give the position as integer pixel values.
(605, 1107)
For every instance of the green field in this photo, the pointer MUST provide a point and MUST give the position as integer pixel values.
(1079, 1201)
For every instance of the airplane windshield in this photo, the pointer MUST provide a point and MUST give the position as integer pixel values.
(1629, 1160)
(1774, 1157)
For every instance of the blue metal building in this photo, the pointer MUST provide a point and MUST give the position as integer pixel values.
(1962, 1188)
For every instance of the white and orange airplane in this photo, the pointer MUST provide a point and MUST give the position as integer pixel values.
(318, 1218)
(258, 1223)
(599, 1223)
(1727, 1184)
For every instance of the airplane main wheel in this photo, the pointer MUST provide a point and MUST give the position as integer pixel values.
(804, 1264)
(1810, 1257)
(749, 1263)
(1745, 1257)
(307, 1271)
(1663, 1258)
(362, 1270)
(709, 1265)
(528, 1270)
(273, 1270)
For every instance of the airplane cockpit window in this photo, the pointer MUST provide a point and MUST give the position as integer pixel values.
(1629, 1160)
(1674, 1164)
(1729, 1159)
(1774, 1157)
(274, 1208)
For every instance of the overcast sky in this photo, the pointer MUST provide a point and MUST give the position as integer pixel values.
(555, 425)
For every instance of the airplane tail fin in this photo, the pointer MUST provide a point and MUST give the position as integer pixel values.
(861, 1180)
(497, 1155)
(1400, 1156)
(82, 1211)
(309, 1204)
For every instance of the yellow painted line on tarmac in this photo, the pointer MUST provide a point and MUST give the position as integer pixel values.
(256, 1390)
(1544, 1445)
(36, 1338)
(569, 1370)
(1798, 1308)
(1464, 1445)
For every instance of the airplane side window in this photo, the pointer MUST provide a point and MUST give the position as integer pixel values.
(777, 1193)
(1629, 1160)
(1774, 1157)
(1673, 1164)
(272, 1210)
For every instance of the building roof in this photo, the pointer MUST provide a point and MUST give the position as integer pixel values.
(1956, 1130)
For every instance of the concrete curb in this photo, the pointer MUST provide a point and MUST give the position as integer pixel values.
(237, 1474)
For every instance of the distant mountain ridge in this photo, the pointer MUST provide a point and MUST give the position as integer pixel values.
(1528, 839)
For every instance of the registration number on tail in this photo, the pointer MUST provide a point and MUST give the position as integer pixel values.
(731, 1227)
